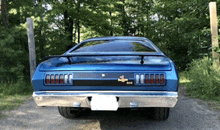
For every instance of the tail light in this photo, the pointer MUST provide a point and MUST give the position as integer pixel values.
(57, 79)
(47, 79)
(61, 79)
(66, 79)
(142, 79)
(137, 79)
(157, 78)
(162, 79)
(147, 79)
(152, 79)
(70, 78)
(52, 79)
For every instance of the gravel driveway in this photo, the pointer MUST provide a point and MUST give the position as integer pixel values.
(187, 114)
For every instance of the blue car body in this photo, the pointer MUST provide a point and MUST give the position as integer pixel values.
(97, 70)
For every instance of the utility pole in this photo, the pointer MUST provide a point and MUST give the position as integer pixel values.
(31, 46)
(214, 29)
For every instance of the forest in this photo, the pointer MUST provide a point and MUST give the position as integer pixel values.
(181, 29)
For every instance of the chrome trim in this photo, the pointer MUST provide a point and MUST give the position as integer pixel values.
(126, 98)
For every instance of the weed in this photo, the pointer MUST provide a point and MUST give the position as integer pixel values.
(203, 78)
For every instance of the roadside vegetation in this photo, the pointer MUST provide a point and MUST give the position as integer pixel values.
(14, 94)
(202, 80)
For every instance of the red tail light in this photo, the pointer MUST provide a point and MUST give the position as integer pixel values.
(47, 79)
(147, 79)
(162, 78)
(157, 78)
(52, 79)
(61, 79)
(152, 79)
(56, 79)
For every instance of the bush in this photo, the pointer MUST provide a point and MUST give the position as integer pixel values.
(204, 76)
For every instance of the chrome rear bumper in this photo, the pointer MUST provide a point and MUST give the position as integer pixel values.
(126, 99)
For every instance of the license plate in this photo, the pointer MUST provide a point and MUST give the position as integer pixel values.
(104, 102)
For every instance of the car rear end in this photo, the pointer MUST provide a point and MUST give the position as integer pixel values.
(146, 81)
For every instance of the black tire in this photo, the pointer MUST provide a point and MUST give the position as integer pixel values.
(68, 112)
(161, 113)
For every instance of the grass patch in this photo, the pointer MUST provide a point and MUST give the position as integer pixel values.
(10, 102)
(202, 79)
(13, 95)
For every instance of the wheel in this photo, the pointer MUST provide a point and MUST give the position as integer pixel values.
(161, 113)
(68, 112)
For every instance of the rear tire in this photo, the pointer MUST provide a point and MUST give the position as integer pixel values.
(161, 113)
(69, 112)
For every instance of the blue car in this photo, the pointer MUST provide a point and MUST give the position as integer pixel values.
(105, 74)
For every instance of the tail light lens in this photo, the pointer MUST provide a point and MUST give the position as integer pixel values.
(70, 78)
(66, 79)
(157, 78)
(142, 79)
(162, 79)
(47, 79)
(152, 79)
(57, 79)
(137, 79)
(147, 79)
(61, 79)
(52, 79)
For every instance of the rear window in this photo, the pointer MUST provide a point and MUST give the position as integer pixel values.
(114, 46)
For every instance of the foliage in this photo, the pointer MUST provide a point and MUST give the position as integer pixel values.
(178, 28)
(204, 76)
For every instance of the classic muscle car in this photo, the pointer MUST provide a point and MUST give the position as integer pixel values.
(105, 74)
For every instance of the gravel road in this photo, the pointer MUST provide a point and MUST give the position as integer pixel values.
(187, 114)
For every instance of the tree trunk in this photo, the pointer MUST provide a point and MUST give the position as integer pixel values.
(4, 13)
(68, 23)
(78, 19)
(111, 32)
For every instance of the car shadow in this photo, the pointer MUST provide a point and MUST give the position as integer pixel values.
(121, 119)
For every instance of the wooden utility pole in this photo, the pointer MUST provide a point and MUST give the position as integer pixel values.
(31, 46)
(214, 29)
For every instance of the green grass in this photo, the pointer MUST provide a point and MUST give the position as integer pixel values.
(13, 95)
(202, 81)
(10, 102)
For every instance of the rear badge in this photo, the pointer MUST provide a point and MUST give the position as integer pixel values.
(122, 79)
(129, 82)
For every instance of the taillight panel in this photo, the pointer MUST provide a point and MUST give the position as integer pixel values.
(150, 79)
(58, 79)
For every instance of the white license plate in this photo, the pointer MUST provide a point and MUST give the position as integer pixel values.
(104, 102)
